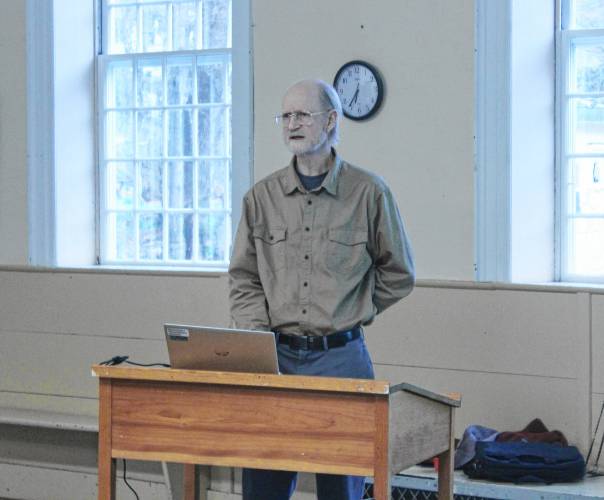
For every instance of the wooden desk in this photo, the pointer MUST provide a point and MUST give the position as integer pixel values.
(282, 422)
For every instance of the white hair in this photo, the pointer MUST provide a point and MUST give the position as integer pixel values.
(331, 100)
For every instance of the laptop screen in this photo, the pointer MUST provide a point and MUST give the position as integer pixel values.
(221, 349)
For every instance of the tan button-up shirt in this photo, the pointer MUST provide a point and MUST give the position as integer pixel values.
(314, 263)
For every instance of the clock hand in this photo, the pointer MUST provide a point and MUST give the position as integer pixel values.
(355, 96)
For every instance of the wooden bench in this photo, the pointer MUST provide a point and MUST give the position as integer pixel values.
(61, 422)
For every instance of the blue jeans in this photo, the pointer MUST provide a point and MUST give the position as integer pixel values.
(351, 360)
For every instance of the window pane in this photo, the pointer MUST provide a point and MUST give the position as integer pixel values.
(120, 185)
(184, 30)
(586, 187)
(181, 236)
(151, 236)
(212, 132)
(587, 67)
(587, 14)
(122, 30)
(586, 247)
(586, 125)
(119, 85)
(155, 28)
(157, 193)
(213, 80)
(119, 134)
(180, 184)
(216, 24)
(180, 80)
(122, 236)
(151, 184)
(180, 133)
(149, 130)
(212, 184)
(212, 236)
(150, 88)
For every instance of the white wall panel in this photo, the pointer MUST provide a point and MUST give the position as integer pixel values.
(533, 360)
(506, 331)
(54, 364)
(20, 400)
(121, 305)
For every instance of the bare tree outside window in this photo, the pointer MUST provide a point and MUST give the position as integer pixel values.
(165, 120)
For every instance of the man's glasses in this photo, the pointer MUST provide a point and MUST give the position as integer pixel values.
(305, 118)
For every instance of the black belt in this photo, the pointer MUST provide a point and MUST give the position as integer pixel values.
(319, 343)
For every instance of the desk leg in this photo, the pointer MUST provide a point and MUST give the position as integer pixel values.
(106, 463)
(381, 478)
(445, 467)
(191, 482)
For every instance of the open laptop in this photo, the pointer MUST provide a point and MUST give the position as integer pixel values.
(221, 349)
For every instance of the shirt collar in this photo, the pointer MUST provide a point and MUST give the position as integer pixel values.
(330, 183)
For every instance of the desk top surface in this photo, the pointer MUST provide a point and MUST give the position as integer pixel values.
(327, 384)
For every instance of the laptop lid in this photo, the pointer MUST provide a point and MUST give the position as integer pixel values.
(221, 349)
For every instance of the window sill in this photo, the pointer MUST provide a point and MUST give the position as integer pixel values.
(554, 287)
(550, 286)
(120, 270)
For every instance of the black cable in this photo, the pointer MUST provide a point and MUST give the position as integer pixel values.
(118, 360)
(126, 481)
(115, 360)
(150, 364)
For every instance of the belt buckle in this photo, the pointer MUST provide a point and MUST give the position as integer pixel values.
(298, 342)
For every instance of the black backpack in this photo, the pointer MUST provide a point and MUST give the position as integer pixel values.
(520, 462)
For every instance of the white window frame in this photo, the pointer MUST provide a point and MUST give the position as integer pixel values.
(103, 62)
(54, 240)
(515, 148)
(564, 41)
(239, 177)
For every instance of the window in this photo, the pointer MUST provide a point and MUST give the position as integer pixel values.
(165, 107)
(581, 140)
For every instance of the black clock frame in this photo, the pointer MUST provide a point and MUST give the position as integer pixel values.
(378, 80)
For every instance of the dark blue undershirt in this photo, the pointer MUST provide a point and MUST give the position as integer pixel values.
(311, 182)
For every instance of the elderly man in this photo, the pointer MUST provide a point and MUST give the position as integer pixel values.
(320, 250)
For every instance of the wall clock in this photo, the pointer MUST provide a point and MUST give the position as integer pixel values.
(360, 88)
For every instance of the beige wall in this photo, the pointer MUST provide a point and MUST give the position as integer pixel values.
(422, 139)
(13, 133)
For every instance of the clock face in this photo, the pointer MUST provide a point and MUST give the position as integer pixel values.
(360, 88)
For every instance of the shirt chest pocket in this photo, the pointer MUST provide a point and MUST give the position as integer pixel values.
(347, 250)
(270, 247)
